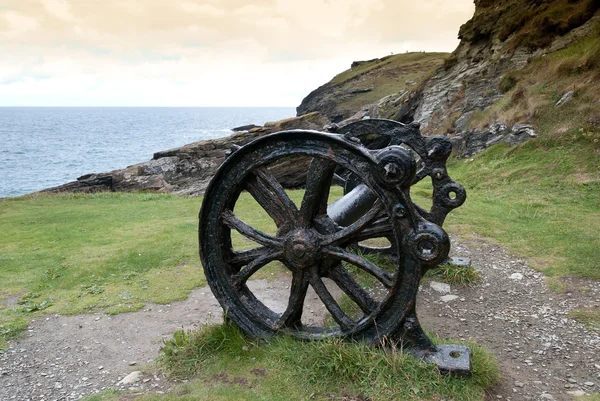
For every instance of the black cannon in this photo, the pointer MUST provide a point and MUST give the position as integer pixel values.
(325, 244)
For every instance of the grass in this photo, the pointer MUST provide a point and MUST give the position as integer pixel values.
(542, 200)
(589, 316)
(79, 253)
(222, 364)
(455, 274)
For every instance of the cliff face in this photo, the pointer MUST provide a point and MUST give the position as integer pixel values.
(502, 37)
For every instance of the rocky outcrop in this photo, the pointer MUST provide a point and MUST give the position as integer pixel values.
(188, 169)
(367, 83)
(471, 142)
(503, 36)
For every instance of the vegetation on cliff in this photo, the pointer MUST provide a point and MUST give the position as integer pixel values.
(366, 83)
(530, 24)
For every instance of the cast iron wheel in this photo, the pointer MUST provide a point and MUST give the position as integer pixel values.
(312, 245)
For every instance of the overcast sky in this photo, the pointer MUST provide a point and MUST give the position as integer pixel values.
(204, 52)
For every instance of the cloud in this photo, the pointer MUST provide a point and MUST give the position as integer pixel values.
(233, 52)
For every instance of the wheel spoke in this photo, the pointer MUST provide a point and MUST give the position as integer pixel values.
(345, 234)
(356, 293)
(269, 194)
(318, 183)
(249, 232)
(330, 303)
(292, 315)
(240, 278)
(242, 258)
(378, 228)
(384, 277)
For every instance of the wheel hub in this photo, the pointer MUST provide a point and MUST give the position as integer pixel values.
(301, 248)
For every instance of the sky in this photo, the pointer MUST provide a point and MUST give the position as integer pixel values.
(204, 52)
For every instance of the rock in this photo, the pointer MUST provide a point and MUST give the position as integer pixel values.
(516, 276)
(462, 121)
(361, 90)
(546, 396)
(519, 134)
(565, 98)
(130, 378)
(577, 393)
(448, 298)
(519, 384)
(244, 128)
(589, 384)
(440, 287)
(461, 262)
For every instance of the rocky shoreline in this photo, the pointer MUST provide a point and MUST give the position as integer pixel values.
(187, 170)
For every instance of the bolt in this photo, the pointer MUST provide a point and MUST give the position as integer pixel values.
(410, 323)
(392, 171)
(299, 250)
(399, 211)
(433, 150)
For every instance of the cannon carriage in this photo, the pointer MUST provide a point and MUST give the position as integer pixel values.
(325, 243)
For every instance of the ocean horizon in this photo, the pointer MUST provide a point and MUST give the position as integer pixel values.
(42, 147)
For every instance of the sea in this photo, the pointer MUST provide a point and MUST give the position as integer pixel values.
(42, 147)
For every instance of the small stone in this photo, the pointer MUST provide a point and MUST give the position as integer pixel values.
(131, 378)
(565, 98)
(132, 363)
(519, 384)
(448, 298)
(577, 393)
(440, 287)
(589, 384)
(571, 380)
(516, 276)
(546, 396)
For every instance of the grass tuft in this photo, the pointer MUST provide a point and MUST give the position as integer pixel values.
(589, 316)
(455, 274)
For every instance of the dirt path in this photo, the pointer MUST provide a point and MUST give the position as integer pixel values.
(543, 355)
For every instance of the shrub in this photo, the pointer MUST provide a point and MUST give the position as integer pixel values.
(508, 82)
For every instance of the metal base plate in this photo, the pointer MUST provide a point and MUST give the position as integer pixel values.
(450, 358)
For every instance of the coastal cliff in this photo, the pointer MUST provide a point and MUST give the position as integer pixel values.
(522, 69)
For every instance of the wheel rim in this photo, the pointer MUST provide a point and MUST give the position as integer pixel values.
(305, 242)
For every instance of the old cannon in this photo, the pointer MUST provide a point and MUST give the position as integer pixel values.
(328, 244)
